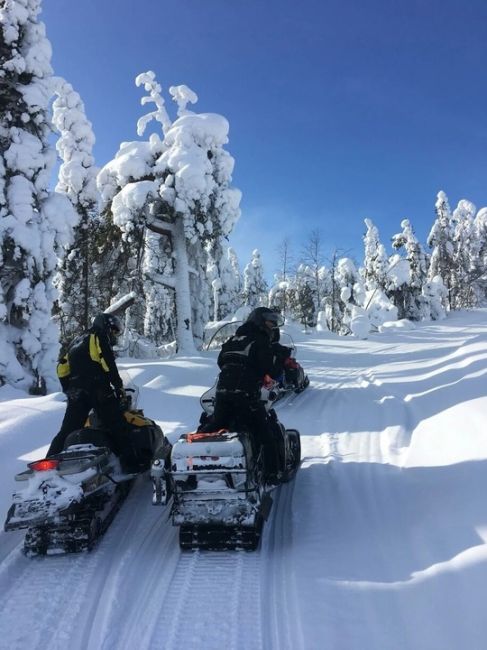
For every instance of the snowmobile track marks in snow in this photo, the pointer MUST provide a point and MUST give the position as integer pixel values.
(213, 602)
(281, 622)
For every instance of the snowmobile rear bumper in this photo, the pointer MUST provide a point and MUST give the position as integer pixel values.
(210, 528)
(219, 538)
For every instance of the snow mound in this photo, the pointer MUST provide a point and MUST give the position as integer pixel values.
(403, 324)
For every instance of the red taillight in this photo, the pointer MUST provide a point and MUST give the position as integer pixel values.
(44, 465)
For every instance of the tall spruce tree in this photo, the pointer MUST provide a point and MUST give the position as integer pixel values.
(465, 249)
(77, 180)
(440, 240)
(34, 222)
(375, 260)
(415, 306)
(231, 283)
(255, 286)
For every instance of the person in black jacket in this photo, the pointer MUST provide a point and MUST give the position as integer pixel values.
(89, 377)
(244, 360)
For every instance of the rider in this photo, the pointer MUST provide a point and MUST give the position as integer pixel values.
(89, 377)
(244, 360)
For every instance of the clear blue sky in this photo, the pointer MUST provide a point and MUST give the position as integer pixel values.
(338, 110)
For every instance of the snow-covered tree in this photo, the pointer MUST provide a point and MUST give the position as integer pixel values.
(375, 260)
(351, 290)
(224, 275)
(158, 328)
(465, 253)
(479, 257)
(34, 222)
(440, 239)
(77, 301)
(254, 284)
(179, 187)
(279, 294)
(413, 304)
(435, 294)
(398, 274)
(301, 296)
(331, 300)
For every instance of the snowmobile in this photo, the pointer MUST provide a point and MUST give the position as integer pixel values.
(216, 481)
(69, 499)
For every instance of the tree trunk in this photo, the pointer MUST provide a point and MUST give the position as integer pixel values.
(184, 331)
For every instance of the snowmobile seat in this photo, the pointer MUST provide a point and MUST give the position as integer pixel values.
(141, 441)
(89, 435)
(74, 459)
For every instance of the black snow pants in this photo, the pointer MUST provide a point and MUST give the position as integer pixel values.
(232, 408)
(80, 402)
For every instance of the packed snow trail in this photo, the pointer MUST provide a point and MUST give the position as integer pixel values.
(379, 543)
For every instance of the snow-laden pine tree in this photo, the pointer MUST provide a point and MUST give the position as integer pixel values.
(230, 284)
(178, 186)
(223, 274)
(78, 296)
(375, 260)
(279, 293)
(479, 257)
(352, 291)
(440, 240)
(254, 284)
(398, 276)
(34, 222)
(301, 296)
(414, 306)
(435, 294)
(465, 252)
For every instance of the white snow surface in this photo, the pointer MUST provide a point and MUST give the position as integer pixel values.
(378, 544)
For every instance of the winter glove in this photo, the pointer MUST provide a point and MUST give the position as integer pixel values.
(290, 363)
(120, 393)
(268, 382)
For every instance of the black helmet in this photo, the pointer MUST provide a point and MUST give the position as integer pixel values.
(108, 324)
(261, 315)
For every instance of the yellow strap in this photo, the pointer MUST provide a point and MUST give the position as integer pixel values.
(96, 353)
(136, 420)
(63, 368)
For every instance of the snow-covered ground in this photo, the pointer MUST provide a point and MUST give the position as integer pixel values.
(379, 543)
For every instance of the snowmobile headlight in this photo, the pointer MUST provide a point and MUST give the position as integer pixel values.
(44, 465)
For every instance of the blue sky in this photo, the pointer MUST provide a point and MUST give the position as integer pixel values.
(338, 109)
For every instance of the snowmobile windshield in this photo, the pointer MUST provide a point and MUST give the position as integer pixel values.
(276, 319)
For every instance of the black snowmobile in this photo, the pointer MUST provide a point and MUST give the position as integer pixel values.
(69, 500)
(219, 497)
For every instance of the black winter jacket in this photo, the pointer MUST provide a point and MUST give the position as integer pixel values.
(244, 360)
(89, 363)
